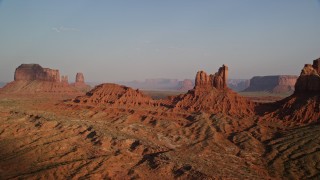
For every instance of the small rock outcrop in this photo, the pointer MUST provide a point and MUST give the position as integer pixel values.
(34, 79)
(31, 72)
(272, 84)
(309, 79)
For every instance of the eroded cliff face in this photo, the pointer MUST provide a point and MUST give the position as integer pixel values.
(273, 84)
(304, 105)
(212, 95)
(217, 80)
(79, 78)
(80, 83)
(34, 79)
(309, 79)
(31, 72)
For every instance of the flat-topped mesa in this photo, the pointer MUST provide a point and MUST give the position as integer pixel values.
(309, 79)
(273, 84)
(31, 72)
(217, 80)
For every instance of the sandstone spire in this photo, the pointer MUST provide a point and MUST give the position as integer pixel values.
(309, 79)
(217, 80)
(79, 78)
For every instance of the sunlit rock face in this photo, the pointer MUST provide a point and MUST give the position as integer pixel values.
(31, 72)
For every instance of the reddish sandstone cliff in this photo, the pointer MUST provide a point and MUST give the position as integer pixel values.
(212, 95)
(80, 83)
(32, 78)
(309, 79)
(31, 72)
(217, 80)
(304, 105)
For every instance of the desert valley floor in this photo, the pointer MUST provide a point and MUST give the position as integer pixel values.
(39, 138)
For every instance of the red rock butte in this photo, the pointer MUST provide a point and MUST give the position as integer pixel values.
(32, 78)
(79, 78)
(80, 83)
(309, 79)
(273, 84)
(217, 80)
(212, 95)
(304, 105)
(31, 72)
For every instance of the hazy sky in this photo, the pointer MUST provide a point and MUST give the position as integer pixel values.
(121, 40)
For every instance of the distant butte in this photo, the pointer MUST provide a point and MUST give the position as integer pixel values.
(33, 78)
(80, 83)
(272, 84)
(31, 72)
